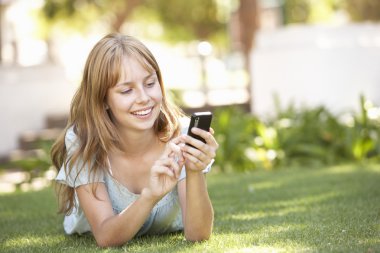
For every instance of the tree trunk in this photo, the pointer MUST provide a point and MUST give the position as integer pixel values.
(123, 14)
(248, 23)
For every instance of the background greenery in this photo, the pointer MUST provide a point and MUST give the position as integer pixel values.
(309, 137)
(205, 18)
(310, 11)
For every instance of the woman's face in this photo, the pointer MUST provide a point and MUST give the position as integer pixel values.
(135, 101)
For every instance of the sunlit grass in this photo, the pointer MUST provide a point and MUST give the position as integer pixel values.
(30, 240)
(335, 209)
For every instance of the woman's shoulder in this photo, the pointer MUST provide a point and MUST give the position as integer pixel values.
(70, 137)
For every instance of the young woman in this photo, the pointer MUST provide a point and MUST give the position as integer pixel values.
(124, 168)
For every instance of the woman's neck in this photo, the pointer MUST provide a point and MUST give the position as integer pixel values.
(137, 143)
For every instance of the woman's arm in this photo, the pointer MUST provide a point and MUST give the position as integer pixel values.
(197, 210)
(111, 229)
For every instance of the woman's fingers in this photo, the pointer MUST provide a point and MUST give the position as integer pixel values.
(199, 149)
(207, 136)
(204, 156)
(200, 164)
(176, 140)
(173, 150)
(176, 152)
(163, 170)
(170, 164)
(198, 153)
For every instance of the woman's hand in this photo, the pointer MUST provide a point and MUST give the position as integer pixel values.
(166, 170)
(201, 154)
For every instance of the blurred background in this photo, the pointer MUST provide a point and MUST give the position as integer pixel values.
(291, 82)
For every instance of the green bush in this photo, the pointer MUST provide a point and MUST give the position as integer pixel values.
(234, 132)
(307, 137)
(363, 138)
(34, 166)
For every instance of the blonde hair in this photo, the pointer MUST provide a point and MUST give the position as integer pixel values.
(96, 133)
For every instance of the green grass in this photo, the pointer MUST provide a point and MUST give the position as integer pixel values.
(335, 209)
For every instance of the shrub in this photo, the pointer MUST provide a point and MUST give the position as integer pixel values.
(296, 137)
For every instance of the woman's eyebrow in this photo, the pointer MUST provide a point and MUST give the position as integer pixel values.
(149, 76)
(131, 82)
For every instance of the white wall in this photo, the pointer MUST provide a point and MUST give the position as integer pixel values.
(27, 96)
(314, 65)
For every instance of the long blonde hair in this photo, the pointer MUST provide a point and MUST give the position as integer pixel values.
(96, 133)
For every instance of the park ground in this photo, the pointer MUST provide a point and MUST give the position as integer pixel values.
(330, 209)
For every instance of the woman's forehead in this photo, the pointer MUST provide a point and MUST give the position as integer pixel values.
(137, 59)
(133, 67)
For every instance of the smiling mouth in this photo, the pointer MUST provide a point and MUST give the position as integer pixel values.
(142, 112)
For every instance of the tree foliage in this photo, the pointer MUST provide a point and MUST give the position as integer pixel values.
(306, 136)
(88, 11)
(363, 10)
(198, 18)
(182, 20)
(296, 11)
(309, 11)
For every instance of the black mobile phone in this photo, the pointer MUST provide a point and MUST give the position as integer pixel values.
(200, 120)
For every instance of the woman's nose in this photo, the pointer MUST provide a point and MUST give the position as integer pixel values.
(142, 96)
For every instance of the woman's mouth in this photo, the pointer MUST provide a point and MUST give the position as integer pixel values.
(142, 113)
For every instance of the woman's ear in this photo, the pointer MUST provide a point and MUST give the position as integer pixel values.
(106, 106)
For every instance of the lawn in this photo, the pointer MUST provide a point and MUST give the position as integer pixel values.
(333, 209)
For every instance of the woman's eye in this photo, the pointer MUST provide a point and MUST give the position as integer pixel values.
(150, 84)
(126, 91)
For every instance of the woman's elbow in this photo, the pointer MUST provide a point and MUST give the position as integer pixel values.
(104, 242)
(198, 237)
(107, 244)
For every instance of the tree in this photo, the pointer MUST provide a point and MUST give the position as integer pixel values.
(181, 20)
(248, 24)
(117, 11)
(301, 11)
(296, 11)
(363, 10)
(196, 19)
